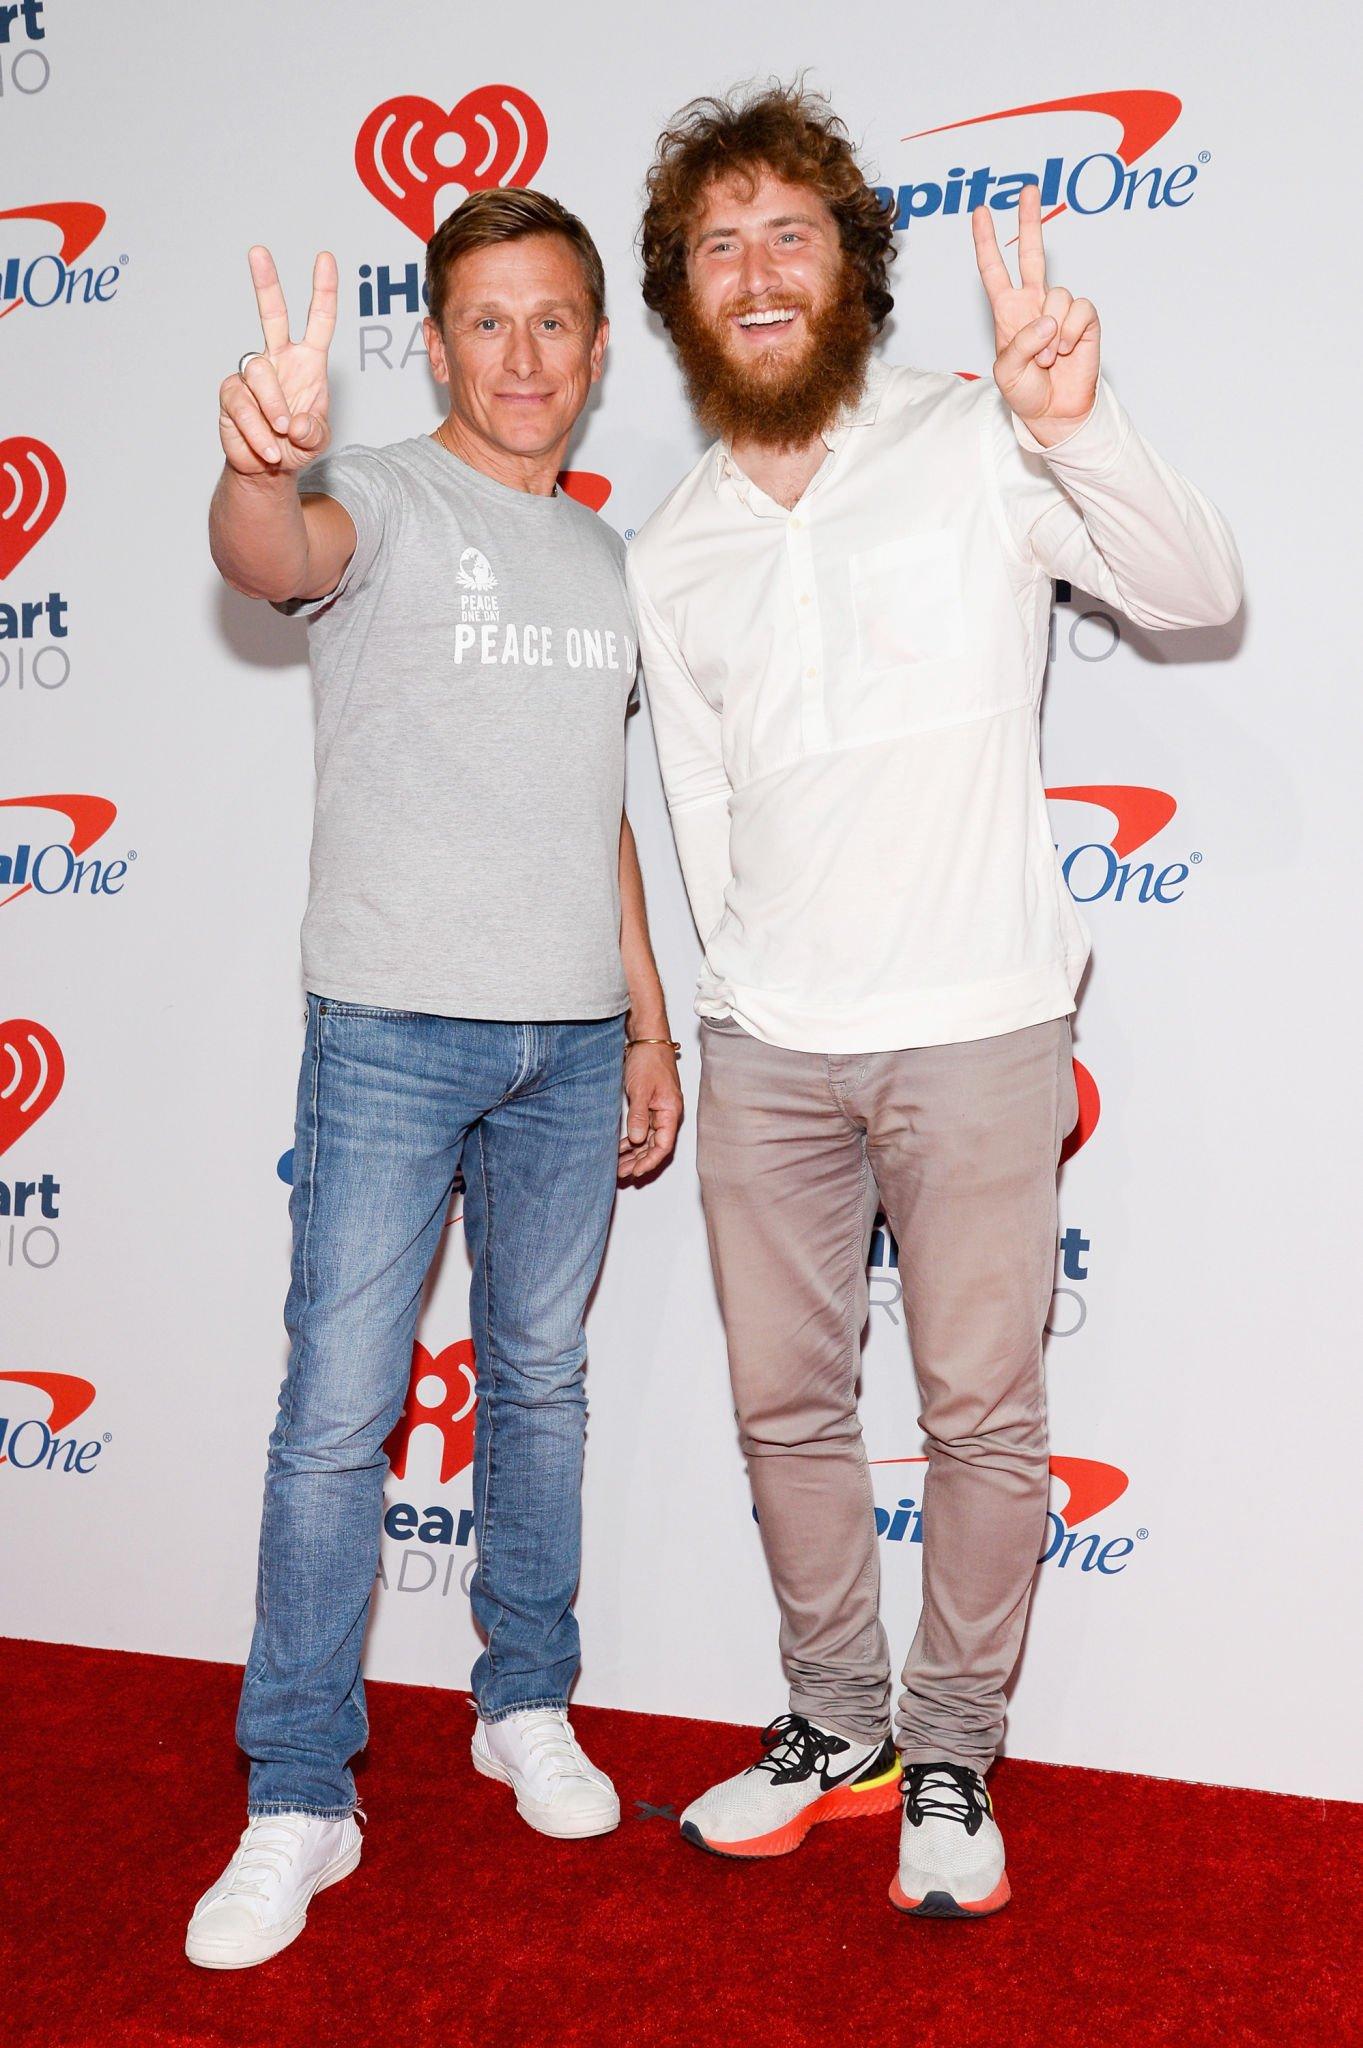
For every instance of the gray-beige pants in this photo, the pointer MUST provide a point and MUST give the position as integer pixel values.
(961, 1144)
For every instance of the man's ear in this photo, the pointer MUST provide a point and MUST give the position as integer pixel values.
(435, 349)
(603, 335)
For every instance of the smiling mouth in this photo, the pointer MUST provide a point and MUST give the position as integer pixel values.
(776, 316)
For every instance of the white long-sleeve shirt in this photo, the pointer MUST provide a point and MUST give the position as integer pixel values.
(846, 704)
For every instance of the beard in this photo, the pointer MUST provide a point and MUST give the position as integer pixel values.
(776, 403)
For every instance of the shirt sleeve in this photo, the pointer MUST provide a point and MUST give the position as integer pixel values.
(1102, 510)
(686, 731)
(360, 480)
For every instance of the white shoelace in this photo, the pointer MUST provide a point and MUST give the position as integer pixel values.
(552, 1741)
(263, 1861)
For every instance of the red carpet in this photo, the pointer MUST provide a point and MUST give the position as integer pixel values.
(1143, 1911)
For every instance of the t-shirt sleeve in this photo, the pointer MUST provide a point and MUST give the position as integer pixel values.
(360, 480)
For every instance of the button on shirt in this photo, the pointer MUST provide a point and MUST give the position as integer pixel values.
(846, 696)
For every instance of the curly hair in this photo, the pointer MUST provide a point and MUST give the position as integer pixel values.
(784, 129)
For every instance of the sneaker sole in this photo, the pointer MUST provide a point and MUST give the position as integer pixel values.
(940, 1905)
(219, 1956)
(540, 1817)
(842, 1803)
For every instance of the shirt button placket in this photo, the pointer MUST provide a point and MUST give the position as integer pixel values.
(800, 555)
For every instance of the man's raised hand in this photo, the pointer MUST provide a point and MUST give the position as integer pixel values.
(272, 415)
(1047, 342)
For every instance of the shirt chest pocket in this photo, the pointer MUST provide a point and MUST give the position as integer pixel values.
(906, 602)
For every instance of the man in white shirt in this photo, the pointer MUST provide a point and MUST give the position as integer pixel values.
(843, 613)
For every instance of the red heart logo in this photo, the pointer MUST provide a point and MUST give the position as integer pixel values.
(452, 1412)
(586, 486)
(1090, 1108)
(31, 1074)
(409, 149)
(32, 493)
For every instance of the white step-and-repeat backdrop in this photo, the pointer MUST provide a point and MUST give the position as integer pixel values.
(1197, 1604)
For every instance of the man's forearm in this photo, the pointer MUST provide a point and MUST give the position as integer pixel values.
(258, 535)
(1149, 541)
(647, 1004)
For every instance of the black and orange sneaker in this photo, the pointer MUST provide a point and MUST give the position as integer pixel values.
(807, 1775)
(950, 1849)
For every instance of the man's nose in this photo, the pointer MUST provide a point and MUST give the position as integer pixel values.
(758, 271)
(522, 352)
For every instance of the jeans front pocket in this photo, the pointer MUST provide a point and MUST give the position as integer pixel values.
(327, 1006)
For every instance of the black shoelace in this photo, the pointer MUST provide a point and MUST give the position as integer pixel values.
(947, 1792)
(796, 1749)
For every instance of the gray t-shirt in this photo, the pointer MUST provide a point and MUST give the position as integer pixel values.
(471, 673)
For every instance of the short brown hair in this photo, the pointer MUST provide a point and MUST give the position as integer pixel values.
(784, 129)
(508, 215)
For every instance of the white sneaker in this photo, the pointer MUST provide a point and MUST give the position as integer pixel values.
(260, 1903)
(807, 1775)
(950, 1850)
(557, 1790)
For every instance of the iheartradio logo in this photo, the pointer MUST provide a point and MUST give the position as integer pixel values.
(586, 486)
(1090, 1109)
(31, 1074)
(420, 161)
(32, 493)
(443, 1391)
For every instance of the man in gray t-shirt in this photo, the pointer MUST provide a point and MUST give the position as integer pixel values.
(471, 670)
(479, 982)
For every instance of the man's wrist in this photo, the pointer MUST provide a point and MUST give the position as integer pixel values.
(646, 1016)
(270, 484)
(647, 1027)
(1049, 433)
(1092, 443)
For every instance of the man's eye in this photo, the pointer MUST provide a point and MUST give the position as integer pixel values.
(487, 325)
(554, 324)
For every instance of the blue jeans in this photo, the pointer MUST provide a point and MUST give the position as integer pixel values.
(390, 1103)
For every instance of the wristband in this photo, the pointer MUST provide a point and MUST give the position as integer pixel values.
(676, 1049)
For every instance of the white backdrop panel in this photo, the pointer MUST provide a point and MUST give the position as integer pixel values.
(1205, 1344)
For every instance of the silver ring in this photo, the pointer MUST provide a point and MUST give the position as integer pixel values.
(249, 357)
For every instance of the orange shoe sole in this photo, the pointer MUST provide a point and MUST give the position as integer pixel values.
(942, 1906)
(844, 1802)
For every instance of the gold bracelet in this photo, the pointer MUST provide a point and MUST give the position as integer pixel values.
(676, 1048)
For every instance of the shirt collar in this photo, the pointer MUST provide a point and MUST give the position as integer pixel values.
(862, 412)
(859, 412)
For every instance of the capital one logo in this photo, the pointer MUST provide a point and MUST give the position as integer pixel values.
(53, 277)
(57, 867)
(1101, 181)
(420, 161)
(35, 1443)
(32, 493)
(441, 1393)
(1098, 868)
(1090, 1486)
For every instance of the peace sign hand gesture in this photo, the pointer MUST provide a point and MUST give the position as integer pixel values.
(1047, 342)
(273, 415)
